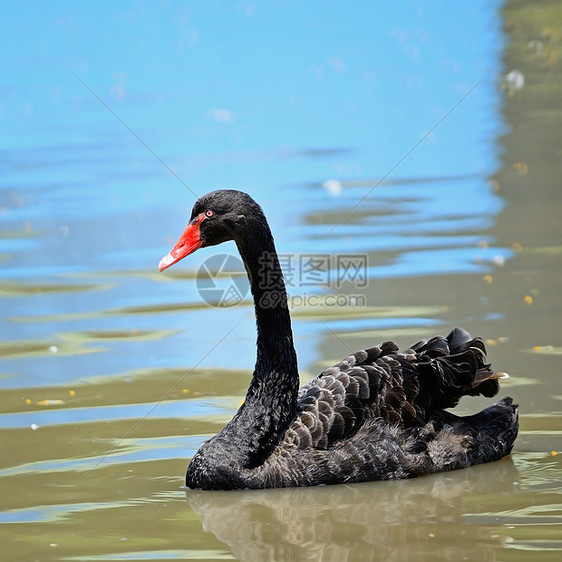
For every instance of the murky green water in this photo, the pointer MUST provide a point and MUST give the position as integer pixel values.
(112, 375)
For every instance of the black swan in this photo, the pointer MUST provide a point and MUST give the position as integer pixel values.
(377, 415)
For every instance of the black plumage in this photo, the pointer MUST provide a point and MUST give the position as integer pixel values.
(379, 414)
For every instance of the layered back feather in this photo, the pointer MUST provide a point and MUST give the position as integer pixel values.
(401, 388)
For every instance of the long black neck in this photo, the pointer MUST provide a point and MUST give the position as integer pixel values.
(275, 350)
(271, 400)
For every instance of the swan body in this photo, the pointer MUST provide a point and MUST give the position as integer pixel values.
(379, 414)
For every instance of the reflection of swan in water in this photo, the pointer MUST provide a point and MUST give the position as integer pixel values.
(422, 519)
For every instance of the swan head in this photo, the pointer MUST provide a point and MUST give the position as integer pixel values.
(217, 217)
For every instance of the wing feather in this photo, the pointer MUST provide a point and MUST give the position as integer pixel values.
(402, 388)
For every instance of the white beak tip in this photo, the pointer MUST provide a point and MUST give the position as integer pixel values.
(165, 262)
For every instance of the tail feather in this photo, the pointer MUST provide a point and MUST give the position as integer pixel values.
(456, 366)
(458, 338)
(492, 431)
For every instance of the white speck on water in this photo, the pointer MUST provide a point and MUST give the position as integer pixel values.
(515, 80)
(333, 187)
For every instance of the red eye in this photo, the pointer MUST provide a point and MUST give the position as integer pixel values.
(209, 213)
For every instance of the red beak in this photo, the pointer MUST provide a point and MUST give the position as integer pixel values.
(189, 241)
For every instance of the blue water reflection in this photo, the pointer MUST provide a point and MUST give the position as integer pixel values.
(116, 116)
(57, 416)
